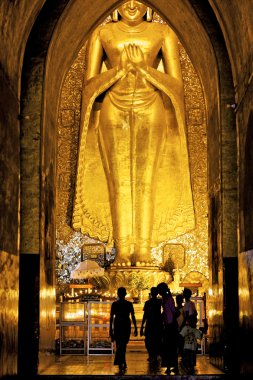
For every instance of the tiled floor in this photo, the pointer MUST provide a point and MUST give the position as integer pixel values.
(103, 365)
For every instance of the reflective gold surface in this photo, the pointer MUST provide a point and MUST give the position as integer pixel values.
(138, 116)
(137, 280)
(195, 241)
(103, 365)
(246, 309)
(8, 313)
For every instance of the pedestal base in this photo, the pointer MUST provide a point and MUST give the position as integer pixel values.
(135, 279)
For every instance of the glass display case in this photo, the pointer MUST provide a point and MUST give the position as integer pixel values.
(73, 312)
(72, 339)
(99, 341)
(73, 327)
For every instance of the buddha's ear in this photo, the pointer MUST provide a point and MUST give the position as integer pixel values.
(115, 15)
(149, 14)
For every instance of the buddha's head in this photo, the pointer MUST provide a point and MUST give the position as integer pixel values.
(133, 11)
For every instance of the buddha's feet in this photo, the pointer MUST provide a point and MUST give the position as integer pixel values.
(144, 264)
(143, 260)
(121, 261)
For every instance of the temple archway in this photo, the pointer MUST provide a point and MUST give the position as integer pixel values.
(45, 66)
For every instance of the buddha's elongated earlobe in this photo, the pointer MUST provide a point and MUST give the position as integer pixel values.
(115, 15)
(149, 14)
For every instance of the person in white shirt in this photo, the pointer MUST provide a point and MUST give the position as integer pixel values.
(191, 337)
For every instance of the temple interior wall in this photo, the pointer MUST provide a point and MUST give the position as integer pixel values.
(79, 18)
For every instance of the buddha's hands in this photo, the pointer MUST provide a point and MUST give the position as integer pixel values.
(125, 63)
(135, 56)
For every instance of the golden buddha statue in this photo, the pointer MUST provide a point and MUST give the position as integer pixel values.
(133, 115)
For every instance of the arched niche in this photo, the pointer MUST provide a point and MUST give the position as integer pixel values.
(74, 27)
(205, 46)
(79, 19)
(193, 243)
(67, 25)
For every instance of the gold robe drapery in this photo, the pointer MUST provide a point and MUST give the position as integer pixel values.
(173, 211)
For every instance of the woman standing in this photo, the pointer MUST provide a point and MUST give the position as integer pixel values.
(120, 326)
(151, 325)
(170, 330)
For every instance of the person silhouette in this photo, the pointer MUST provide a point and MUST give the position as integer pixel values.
(180, 321)
(151, 325)
(191, 337)
(120, 326)
(189, 306)
(170, 330)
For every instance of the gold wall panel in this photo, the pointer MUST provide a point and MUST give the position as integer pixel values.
(9, 297)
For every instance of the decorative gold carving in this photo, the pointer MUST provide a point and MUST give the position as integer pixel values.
(194, 277)
(93, 250)
(64, 183)
(134, 279)
(67, 118)
(195, 116)
(176, 253)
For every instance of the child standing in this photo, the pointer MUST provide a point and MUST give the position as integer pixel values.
(191, 336)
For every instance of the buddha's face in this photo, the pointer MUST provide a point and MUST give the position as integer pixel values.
(132, 11)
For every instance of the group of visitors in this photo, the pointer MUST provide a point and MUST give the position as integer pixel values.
(169, 328)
